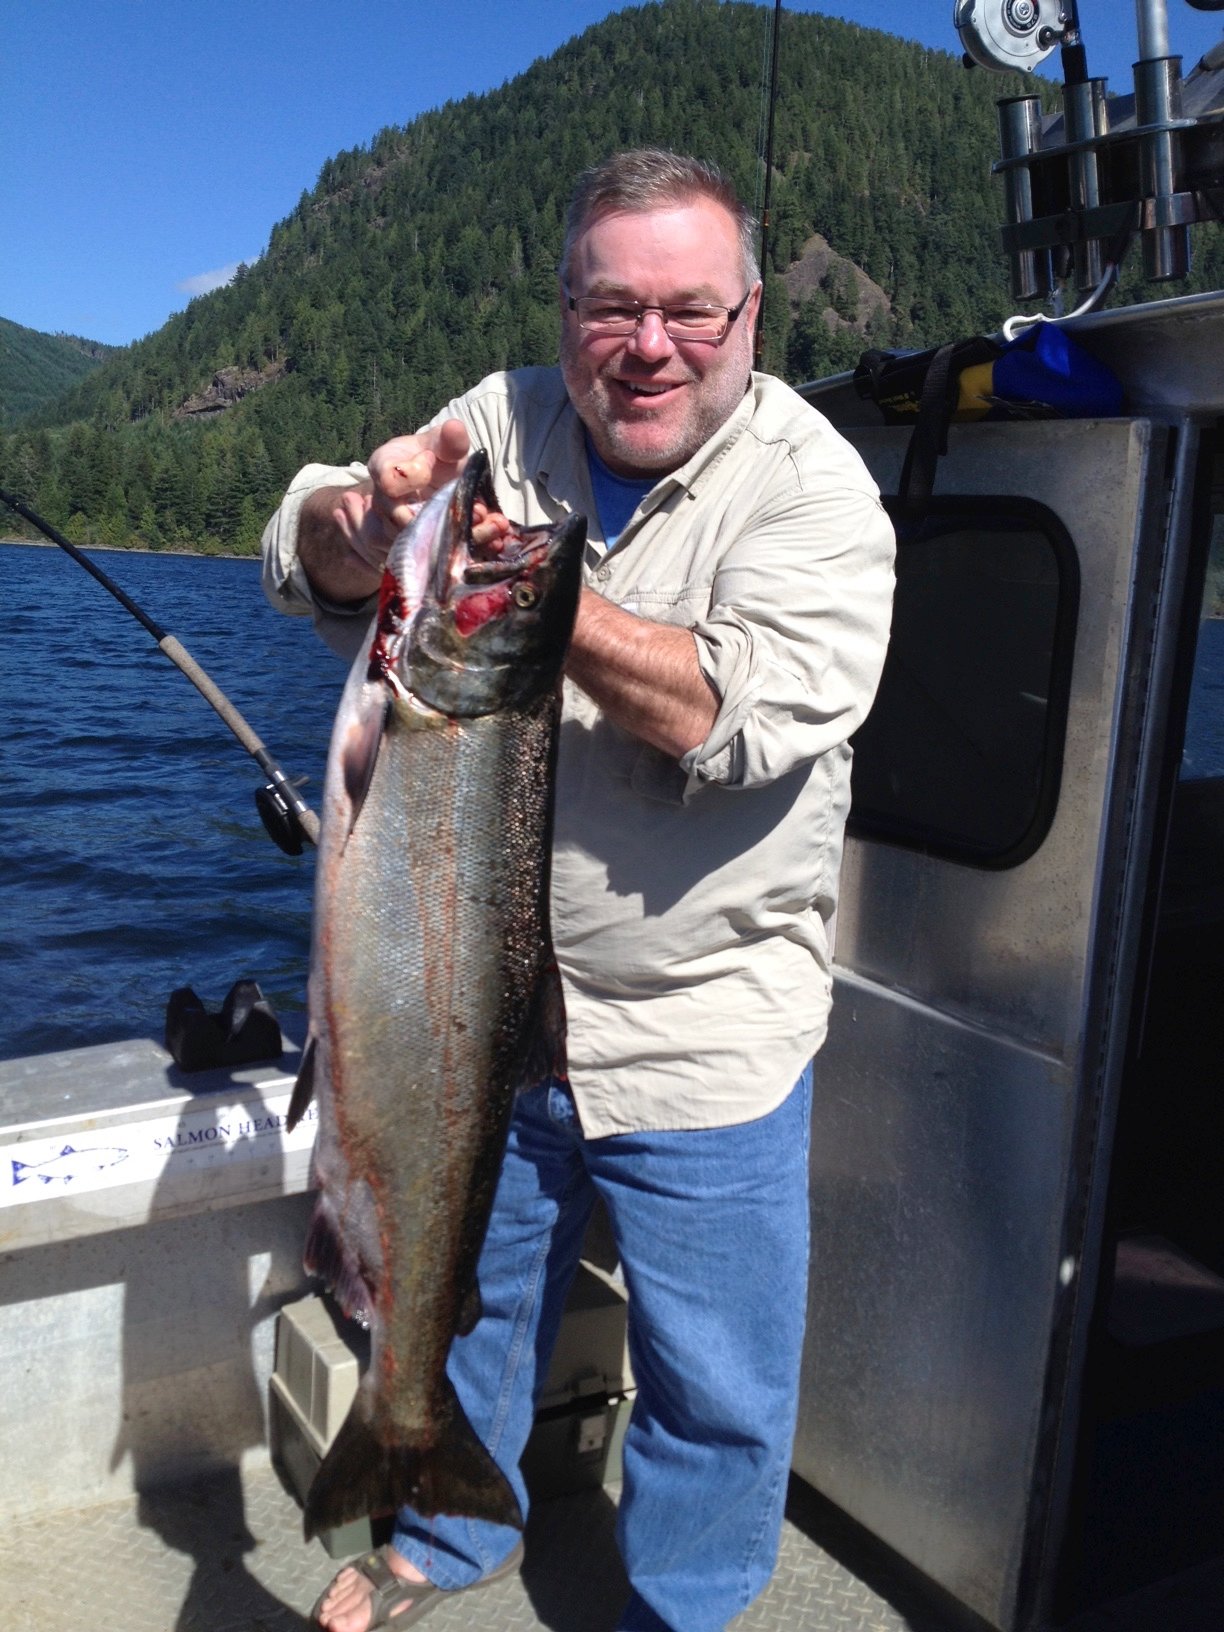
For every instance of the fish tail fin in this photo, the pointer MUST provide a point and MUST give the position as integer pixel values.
(361, 1477)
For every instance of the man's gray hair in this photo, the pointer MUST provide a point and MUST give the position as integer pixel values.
(649, 178)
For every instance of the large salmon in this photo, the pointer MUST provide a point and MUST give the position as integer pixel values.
(432, 992)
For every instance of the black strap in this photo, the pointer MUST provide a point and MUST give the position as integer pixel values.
(929, 440)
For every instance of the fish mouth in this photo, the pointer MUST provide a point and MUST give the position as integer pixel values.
(475, 482)
(459, 613)
(494, 633)
(472, 563)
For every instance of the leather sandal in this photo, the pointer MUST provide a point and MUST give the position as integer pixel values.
(412, 1599)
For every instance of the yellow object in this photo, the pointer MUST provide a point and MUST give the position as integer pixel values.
(976, 391)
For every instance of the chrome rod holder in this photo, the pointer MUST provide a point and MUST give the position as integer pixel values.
(1032, 270)
(1086, 113)
(1166, 248)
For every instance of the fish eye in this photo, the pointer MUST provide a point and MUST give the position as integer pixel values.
(524, 595)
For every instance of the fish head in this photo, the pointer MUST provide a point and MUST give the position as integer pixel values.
(491, 628)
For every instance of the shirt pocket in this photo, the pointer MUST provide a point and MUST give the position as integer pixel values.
(655, 775)
(680, 605)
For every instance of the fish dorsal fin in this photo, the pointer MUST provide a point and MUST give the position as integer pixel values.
(303, 1088)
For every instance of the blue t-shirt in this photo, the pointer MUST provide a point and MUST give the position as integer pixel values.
(616, 497)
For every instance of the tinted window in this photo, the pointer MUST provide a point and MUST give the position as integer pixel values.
(1203, 754)
(961, 753)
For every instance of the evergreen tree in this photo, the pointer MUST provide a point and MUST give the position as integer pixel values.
(423, 261)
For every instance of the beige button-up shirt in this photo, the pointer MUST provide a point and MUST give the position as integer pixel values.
(692, 902)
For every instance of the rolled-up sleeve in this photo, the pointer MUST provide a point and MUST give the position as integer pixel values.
(284, 578)
(795, 637)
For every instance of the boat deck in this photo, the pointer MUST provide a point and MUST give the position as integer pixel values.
(138, 1345)
(227, 1555)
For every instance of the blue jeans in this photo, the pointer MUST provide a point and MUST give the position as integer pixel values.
(712, 1231)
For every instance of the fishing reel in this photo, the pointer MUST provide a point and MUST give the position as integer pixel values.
(1010, 34)
(284, 817)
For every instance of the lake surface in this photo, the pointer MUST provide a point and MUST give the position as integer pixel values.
(1204, 750)
(134, 860)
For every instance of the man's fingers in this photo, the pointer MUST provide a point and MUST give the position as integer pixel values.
(402, 475)
(443, 456)
(352, 503)
(414, 467)
(489, 527)
(454, 444)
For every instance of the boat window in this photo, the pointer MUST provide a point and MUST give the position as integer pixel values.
(962, 753)
(1203, 753)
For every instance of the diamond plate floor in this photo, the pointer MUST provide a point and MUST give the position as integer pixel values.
(228, 1557)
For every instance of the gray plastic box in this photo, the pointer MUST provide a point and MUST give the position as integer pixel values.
(584, 1405)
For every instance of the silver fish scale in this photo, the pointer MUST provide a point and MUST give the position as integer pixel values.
(430, 943)
(438, 902)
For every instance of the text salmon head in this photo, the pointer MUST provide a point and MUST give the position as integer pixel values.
(468, 629)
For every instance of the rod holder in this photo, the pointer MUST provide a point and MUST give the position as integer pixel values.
(1086, 116)
(1166, 248)
(1032, 270)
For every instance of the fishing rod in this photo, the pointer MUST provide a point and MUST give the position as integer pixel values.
(289, 820)
(772, 95)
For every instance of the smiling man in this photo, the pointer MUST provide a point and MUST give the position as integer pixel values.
(651, 396)
(728, 642)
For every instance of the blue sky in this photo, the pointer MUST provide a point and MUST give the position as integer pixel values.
(148, 146)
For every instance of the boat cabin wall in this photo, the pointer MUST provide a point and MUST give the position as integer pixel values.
(1019, 817)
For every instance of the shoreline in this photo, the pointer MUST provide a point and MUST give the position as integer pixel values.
(134, 549)
(234, 555)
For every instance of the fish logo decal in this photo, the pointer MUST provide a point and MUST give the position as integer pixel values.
(69, 1165)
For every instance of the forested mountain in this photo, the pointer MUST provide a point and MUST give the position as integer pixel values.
(420, 263)
(37, 368)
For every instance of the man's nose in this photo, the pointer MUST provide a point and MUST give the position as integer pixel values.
(650, 339)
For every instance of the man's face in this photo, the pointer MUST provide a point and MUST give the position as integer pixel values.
(648, 401)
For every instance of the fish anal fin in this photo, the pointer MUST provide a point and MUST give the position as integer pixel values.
(303, 1088)
(339, 1268)
(361, 1476)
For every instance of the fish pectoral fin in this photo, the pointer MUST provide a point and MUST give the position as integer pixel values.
(362, 1476)
(303, 1088)
(362, 740)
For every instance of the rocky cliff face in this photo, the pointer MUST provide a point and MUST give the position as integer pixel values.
(227, 388)
(821, 271)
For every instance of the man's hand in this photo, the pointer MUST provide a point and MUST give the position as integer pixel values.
(404, 473)
(345, 533)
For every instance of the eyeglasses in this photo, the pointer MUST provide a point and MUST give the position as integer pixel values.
(692, 320)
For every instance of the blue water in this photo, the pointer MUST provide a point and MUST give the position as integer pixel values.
(1204, 750)
(133, 858)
